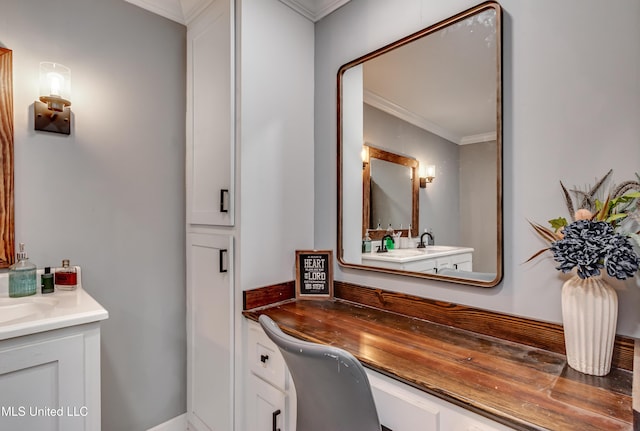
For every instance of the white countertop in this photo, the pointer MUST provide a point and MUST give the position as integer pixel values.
(39, 313)
(403, 255)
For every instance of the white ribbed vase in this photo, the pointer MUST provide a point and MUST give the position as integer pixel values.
(589, 315)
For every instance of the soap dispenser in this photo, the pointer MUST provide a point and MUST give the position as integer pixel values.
(366, 243)
(22, 276)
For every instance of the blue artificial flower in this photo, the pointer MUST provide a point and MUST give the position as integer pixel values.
(591, 246)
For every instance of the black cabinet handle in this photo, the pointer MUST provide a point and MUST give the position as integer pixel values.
(223, 207)
(223, 253)
(274, 417)
(264, 358)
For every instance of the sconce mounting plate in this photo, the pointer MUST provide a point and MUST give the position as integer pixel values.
(51, 121)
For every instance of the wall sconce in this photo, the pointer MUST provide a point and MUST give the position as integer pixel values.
(364, 155)
(427, 175)
(52, 112)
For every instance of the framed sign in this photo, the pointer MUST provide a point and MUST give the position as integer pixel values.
(314, 274)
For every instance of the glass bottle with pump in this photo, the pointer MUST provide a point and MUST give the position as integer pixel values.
(366, 243)
(22, 276)
(66, 277)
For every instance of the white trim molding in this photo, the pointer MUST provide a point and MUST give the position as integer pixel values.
(170, 9)
(398, 111)
(314, 10)
(179, 423)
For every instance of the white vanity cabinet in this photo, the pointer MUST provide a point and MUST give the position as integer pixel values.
(210, 334)
(270, 395)
(50, 380)
(210, 116)
(429, 260)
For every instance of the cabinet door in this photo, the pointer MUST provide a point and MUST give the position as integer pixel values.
(210, 116)
(210, 332)
(266, 406)
(42, 386)
(463, 262)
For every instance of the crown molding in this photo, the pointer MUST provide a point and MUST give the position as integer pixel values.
(481, 137)
(398, 111)
(314, 10)
(170, 9)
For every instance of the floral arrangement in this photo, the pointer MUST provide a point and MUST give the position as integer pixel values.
(601, 234)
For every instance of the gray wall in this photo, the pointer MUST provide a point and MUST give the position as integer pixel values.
(478, 167)
(570, 113)
(110, 196)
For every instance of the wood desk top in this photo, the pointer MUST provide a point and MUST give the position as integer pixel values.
(523, 387)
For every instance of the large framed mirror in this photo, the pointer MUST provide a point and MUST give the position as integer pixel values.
(7, 246)
(432, 100)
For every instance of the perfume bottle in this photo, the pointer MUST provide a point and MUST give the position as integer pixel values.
(66, 277)
(46, 281)
(22, 276)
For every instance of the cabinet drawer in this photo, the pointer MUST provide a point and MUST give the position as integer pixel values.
(265, 360)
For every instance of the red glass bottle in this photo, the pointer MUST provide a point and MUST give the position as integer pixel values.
(66, 277)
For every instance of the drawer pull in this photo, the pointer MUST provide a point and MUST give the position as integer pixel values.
(223, 206)
(223, 254)
(264, 358)
(274, 417)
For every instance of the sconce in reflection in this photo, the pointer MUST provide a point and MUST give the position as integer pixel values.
(427, 175)
(52, 112)
(364, 154)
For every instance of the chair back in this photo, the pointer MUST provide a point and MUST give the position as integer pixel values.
(332, 388)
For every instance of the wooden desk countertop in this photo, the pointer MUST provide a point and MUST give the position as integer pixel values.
(523, 387)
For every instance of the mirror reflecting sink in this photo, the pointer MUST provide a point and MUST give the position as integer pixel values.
(12, 309)
(437, 249)
(403, 255)
(404, 252)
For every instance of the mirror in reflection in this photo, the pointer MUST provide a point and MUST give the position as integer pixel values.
(430, 100)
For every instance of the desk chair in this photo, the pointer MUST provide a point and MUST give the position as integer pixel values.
(333, 391)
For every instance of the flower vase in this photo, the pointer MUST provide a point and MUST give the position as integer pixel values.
(589, 316)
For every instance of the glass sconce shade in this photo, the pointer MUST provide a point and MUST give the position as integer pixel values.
(55, 86)
(427, 174)
(431, 172)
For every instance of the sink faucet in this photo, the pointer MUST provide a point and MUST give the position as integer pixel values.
(383, 247)
(430, 241)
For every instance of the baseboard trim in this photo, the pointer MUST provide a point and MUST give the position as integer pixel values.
(179, 423)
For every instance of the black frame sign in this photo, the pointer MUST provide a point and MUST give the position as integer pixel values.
(314, 274)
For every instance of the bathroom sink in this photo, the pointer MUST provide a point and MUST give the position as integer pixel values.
(12, 309)
(404, 252)
(437, 248)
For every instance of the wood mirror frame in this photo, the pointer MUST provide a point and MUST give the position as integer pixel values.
(348, 255)
(7, 247)
(380, 154)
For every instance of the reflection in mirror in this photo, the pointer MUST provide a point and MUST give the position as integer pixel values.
(389, 193)
(434, 98)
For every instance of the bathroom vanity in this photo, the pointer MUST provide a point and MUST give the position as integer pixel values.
(50, 360)
(430, 259)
